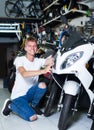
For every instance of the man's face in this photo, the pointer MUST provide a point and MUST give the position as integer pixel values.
(31, 48)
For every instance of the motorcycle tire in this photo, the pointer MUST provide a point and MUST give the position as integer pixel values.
(66, 112)
(51, 99)
(92, 127)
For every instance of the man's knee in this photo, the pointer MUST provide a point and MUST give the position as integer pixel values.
(42, 85)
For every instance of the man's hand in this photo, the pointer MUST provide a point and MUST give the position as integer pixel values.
(48, 69)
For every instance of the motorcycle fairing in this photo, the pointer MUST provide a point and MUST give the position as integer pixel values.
(78, 68)
(86, 78)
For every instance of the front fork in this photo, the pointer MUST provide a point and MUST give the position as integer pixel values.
(91, 111)
(60, 104)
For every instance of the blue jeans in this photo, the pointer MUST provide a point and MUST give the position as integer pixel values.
(21, 105)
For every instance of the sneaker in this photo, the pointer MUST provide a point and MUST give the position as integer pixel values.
(6, 110)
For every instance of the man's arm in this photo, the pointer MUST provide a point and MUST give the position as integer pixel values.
(32, 73)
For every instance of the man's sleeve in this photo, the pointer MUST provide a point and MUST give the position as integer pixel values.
(18, 62)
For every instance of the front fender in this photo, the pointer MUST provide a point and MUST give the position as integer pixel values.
(71, 87)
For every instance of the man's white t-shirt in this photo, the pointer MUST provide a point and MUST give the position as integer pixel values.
(22, 85)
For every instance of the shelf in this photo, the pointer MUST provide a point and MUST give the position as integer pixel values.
(67, 14)
(19, 20)
(54, 19)
(11, 28)
(70, 13)
(50, 5)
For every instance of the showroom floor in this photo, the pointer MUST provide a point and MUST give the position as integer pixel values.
(13, 122)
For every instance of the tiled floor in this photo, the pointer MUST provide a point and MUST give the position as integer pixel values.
(13, 122)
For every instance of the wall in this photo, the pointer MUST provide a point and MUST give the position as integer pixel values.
(7, 52)
(79, 21)
(2, 5)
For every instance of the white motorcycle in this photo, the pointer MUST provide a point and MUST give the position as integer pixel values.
(71, 61)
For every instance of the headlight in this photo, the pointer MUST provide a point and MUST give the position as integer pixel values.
(71, 59)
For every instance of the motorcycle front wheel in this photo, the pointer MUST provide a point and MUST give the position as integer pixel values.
(66, 112)
(92, 127)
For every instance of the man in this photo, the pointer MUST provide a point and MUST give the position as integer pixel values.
(26, 88)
